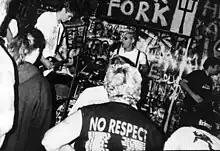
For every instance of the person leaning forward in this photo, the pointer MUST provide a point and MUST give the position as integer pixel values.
(198, 88)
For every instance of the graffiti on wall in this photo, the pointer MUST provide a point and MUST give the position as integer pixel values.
(206, 33)
(206, 29)
(171, 56)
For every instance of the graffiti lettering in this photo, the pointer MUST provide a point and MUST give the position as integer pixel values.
(142, 11)
(210, 7)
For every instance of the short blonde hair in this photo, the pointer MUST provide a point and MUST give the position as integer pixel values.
(123, 81)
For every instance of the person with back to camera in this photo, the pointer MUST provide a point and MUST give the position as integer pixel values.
(34, 102)
(198, 87)
(116, 125)
(197, 136)
(97, 94)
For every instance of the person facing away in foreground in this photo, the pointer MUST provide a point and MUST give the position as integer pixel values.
(116, 125)
(198, 87)
(97, 94)
(191, 138)
(7, 81)
(34, 104)
(199, 136)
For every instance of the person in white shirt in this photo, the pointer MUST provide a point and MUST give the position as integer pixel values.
(128, 49)
(198, 135)
(7, 81)
(97, 94)
(50, 24)
(191, 138)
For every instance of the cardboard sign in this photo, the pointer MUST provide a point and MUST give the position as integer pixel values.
(172, 15)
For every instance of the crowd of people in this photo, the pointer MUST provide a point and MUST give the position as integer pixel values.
(104, 117)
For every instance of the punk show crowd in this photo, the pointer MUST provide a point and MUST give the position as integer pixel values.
(105, 117)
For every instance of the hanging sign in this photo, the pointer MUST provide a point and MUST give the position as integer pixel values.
(173, 15)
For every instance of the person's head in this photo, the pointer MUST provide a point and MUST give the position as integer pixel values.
(129, 40)
(66, 11)
(212, 65)
(123, 83)
(36, 42)
(27, 47)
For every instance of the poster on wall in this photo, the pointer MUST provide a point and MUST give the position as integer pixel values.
(175, 16)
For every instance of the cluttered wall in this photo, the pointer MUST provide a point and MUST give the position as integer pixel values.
(176, 35)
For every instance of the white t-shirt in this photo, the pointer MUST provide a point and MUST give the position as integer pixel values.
(93, 95)
(52, 30)
(132, 55)
(191, 138)
(13, 26)
(7, 80)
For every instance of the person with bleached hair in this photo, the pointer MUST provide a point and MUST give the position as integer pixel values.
(116, 125)
(97, 94)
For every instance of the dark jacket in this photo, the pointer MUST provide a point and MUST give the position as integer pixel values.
(33, 111)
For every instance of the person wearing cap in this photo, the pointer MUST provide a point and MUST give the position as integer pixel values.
(116, 125)
(198, 88)
(7, 81)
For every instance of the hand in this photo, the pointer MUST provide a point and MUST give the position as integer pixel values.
(197, 98)
(49, 65)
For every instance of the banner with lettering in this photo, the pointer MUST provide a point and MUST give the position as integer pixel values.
(175, 16)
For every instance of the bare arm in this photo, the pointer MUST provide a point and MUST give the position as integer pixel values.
(64, 132)
(184, 86)
(46, 62)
